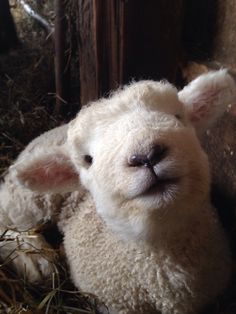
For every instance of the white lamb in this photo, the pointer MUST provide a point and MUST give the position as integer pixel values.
(128, 183)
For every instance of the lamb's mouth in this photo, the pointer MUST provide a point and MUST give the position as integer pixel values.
(160, 185)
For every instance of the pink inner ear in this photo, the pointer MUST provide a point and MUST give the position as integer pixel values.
(52, 172)
(199, 114)
(202, 106)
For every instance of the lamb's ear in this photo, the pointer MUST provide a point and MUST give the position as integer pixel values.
(45, 171)
(207, 97)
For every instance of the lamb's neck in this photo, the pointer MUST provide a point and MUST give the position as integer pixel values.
(162, 232)
(181, 225)
(186, 241)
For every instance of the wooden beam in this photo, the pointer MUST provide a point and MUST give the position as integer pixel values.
(88, 67)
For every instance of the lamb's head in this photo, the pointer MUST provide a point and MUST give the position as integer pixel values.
(138, 151)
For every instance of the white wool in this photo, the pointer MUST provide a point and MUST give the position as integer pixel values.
(139, 229)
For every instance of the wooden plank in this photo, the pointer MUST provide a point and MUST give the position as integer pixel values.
(100, 54)
(107, 42)
(86, 50)
(115, 42)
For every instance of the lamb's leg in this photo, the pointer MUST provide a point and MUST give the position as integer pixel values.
(21, 211)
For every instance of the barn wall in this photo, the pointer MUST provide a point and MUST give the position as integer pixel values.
(123, 40)
(153, 39)
(224, 49)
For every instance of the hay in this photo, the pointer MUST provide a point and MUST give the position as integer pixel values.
(56, 295)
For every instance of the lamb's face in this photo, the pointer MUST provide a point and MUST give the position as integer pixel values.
(138, 154)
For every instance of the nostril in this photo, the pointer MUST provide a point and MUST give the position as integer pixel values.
(138, 160)
(156, 154)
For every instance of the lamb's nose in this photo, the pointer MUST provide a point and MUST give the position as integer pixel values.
(156, 154)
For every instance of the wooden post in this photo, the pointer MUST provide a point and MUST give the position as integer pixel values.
(100, 32)
(86, 50)
(109, 40)
(8, 35)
